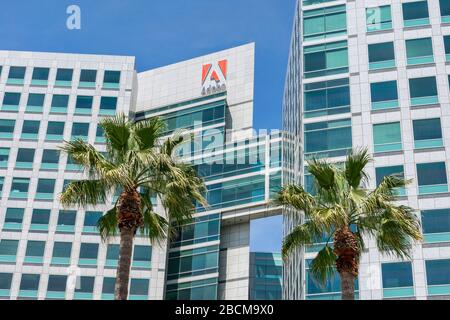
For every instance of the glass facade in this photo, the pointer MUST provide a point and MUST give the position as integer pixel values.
(325, 59)
(265, 276)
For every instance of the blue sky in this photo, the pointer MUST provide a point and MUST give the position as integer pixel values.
(161, 32)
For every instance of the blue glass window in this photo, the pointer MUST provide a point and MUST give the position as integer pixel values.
(16, 75)
(108, 287)
(35, 252)
(8, 250)
(325, 59)
(55, 131)
(437, 272)
(64, 77)
(381, 55)
(80, 130)
(139, 287)
(88, 254)
(25, 158)
(382, 172)
(35, 102)
(60, 103)
(423, 91)
(384, 95)
(30, 282)
(142, 256)
(45, 189)
(324, 23)
(111, 79)
(86, 285)
(14, 218)
(387, 137)
(419, 51)
(5, 283)
(327, 98)
(50, 159)
(108, 105)
(445, 10)
(4, 157)
(66, 221)
(88, 78)
(328, 139)
(40, 76)
(202, 229)
(432, 177)
(40, 219)
(7, 128)
(396, 275)
(379, 18)
(19, 188)
(57, 283)
(84, 104)
(11, 101)
(415, 13)
(436, 225)
(61, 253)
(193, 262)
(90, 221)
(30, 129)
(427, 133)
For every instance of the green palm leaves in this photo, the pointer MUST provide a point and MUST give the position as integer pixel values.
(342, 202)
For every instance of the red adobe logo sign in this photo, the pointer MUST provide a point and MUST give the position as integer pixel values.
(214, 77)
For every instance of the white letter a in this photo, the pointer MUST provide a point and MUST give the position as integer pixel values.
(74, 20)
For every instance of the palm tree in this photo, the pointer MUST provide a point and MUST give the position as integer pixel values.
(345, 212)
(139, 167)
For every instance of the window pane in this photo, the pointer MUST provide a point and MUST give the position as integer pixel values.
(46, 186)
(427, 129)
(388, 171)
(423, 87)
(415, 10)
(86, 285)
(445, 7)
(30, 282)
(381, 52)
(431, 173)
(112, 252)
(25, 155)
(62, 249)
(142, 253)
(84, 102)
(109, 285)
(31, 127)
(91, 218)
(89, 251)
(67, 218)
(5, 281)
(14, 215)
(108, 103)
(436, 221)
(40, 216)
(40, 73)
(80, 129)
(419, 48)
(17, 72)
(139, 286)
(11, 99)
(36, 100)
(8, 247)
(7, 126)
(50, 156)
(56, 128)
(387, 133)
(60, 101)
(437, 272)
(384, 91)
(112, 77)
(378, 18)
(57, 283)
(397, 275)
(20, 185)
(64, 75)
(35, 249)
(88, 75)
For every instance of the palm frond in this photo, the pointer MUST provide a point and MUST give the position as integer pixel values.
(300, 236)
(148, 131)
(84, 192)
(324, 173)
(354, 167)
(107, 224)
(322, 267)
(295, 197)
(117, 131)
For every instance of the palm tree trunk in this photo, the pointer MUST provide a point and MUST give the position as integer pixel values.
(123, 269)
(129, 218)
(347, 286)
